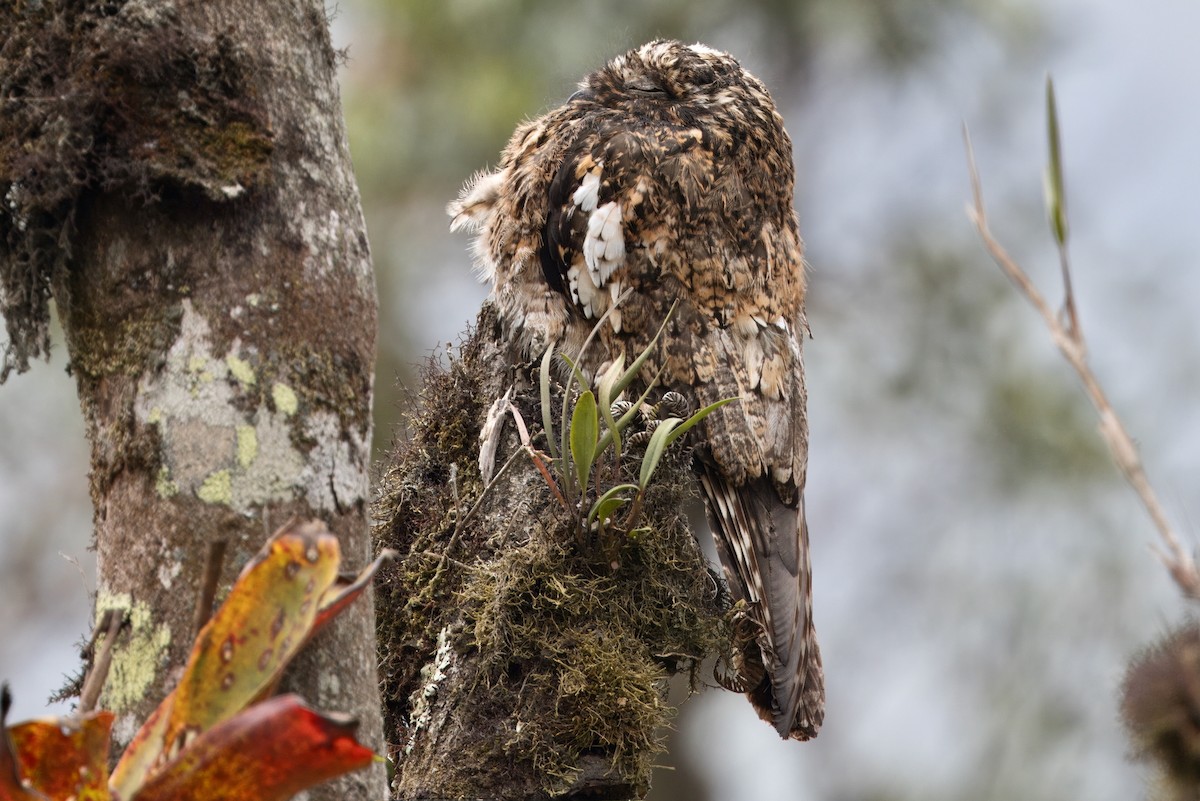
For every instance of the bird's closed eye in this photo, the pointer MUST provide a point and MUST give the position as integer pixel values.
(645, 87)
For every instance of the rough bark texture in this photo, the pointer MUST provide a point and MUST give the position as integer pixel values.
(523, 659)
(177, 174)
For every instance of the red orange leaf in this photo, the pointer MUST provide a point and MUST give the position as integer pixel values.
(11, 788)
(66, 758)
(270, 752)
(343, 592)
(240, 652)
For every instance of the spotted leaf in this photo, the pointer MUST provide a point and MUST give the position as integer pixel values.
(240, 652)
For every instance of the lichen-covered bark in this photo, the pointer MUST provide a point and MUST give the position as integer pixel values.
(208, 256)
(521, 658)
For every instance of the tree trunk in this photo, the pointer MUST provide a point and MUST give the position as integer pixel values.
(522, 657)
(178, 173)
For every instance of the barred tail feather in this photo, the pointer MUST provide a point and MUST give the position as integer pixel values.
(763, 545)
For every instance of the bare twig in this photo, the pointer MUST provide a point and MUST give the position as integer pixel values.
(109, 624)
(483, 494)
(442, 559)
(208, 586)
(462, 520)
(1068, 336)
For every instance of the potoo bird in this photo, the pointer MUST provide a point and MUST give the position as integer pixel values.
(668, 177)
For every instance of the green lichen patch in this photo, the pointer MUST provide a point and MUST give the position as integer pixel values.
(247, 445)
(217, 488)
(304, 379)
(163, 485)
(219, 438)
(241, 370)
(285, 399)
(134, 665)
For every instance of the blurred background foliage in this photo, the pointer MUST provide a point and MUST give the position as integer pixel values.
(982, 575)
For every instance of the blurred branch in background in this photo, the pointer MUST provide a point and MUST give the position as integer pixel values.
(1160, 695)
(1068, 336)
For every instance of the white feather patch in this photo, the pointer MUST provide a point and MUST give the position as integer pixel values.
(476, 200)
(604, 245)
(587, 196)
(585, 292)
(614, 292)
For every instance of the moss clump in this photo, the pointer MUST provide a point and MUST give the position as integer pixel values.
(107, 96)
(1160, 705)
(563, 644)
(416, 512)
(581, 651)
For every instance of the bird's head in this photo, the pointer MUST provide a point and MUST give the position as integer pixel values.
(671, 81)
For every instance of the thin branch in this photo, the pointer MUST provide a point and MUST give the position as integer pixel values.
(208, 586)
(1069, 339)
(1070, 314)
(110, 624)
(442, 559)
(459, 525)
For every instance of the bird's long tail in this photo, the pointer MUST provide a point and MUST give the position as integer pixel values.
(763, 545)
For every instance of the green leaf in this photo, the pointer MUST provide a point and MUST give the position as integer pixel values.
(656, 448)
(636, 367)
(1056, 200)
(585, 430)
(544, 385)
(696, 418)
(605, 390)
(608, 381)
(575, 371)
(565, 472)
(623, 422)
(609, 503)
(667, 433)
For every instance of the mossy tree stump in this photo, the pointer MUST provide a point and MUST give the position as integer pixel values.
(523, 658)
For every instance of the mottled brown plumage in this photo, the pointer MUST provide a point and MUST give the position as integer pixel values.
(668, 176)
